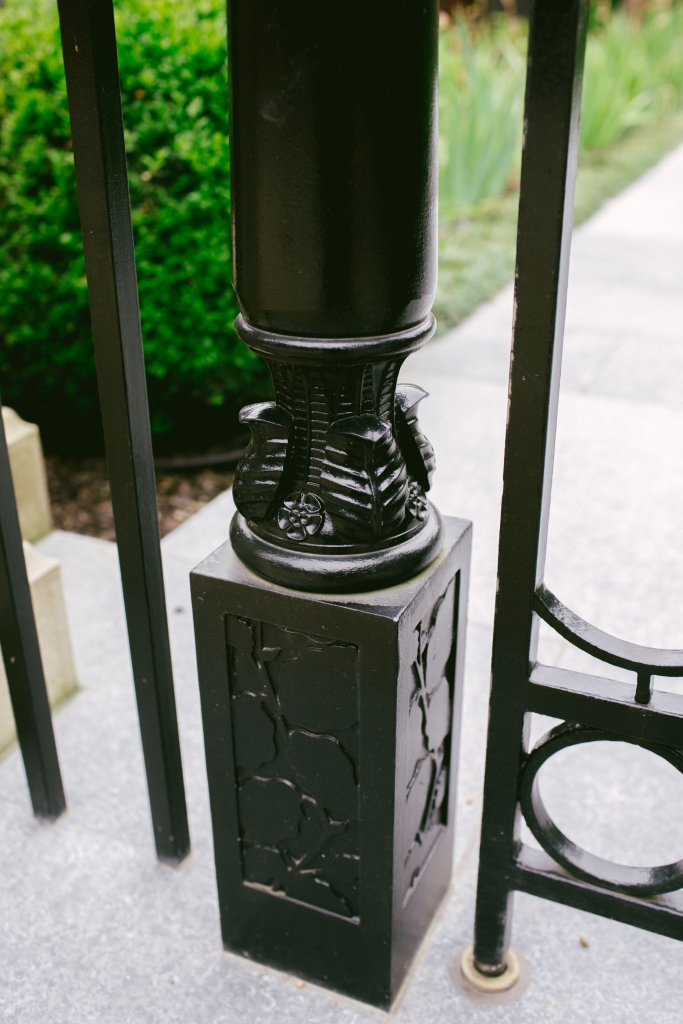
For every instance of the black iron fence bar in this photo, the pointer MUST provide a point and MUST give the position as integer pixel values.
(603, 703)
(643, 694)
(551, 119)
(588, 638)
(90, 60)
(537, 874)
(644, 661)
(21, 655)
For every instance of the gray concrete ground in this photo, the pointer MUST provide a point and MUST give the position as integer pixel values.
(92, 931)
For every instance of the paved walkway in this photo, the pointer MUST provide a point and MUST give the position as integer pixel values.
(93, 932)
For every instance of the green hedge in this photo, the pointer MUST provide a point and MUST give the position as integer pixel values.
(174, 87)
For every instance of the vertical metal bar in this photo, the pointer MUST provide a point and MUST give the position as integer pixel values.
(551, 135)
(89, 46)
(644, 688)
(21, 655)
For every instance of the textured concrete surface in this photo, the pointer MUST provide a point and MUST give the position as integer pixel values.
(93, 932)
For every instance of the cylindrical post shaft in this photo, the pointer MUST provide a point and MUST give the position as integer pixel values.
(334, 178)
(333, 129)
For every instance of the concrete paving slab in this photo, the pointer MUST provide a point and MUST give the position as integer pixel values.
(651, 208)
(643, 367)
(599, 305)
(203, 533)
(106, 936)
(598, 254)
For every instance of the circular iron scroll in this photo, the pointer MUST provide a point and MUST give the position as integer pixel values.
(621, 878)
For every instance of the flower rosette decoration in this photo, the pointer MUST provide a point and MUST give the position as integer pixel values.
(417, 503)
(301, 515)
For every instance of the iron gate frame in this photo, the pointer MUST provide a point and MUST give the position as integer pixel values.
(606, 709)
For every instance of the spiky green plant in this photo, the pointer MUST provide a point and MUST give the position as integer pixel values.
(633, 74)
(481, 85)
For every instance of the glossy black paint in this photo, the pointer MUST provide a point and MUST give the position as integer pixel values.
(604, 709)
(644, 661)
(331, 725)
(331, 489)
(333, 164)
(334, 175)
(338, 573)
(634, 881)
(89, 47)
(21, 656)
(331, 729)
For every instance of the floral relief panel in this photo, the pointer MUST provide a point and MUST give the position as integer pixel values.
(429, 737)
(295, 710)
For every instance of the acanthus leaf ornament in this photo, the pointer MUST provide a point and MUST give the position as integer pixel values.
(416, 449)
(337, 464)
(258, 477)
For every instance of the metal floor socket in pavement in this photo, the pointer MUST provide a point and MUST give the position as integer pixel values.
(93, 931)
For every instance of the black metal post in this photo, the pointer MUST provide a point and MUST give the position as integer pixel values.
(606, 709)
(551, 115)
(21, 655)
(333, 122)
(89, 47)
(332, 723)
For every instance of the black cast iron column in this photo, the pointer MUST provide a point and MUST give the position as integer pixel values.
(332, 718)
(334, 177)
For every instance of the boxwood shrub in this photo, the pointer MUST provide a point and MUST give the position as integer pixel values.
(172, 59)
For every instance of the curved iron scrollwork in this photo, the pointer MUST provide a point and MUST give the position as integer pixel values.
(519, 685)
(331, 491)
(632, 881)
(645, 661)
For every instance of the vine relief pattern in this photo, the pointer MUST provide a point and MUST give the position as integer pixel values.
(295, 710)
(429, 736)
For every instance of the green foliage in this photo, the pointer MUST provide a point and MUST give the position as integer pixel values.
(174, 86)
(632, 115)
(633, 74)
(481, 85)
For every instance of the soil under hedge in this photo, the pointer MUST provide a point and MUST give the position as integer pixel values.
(81, 500)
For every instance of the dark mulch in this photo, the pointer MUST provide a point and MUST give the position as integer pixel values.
(81, 501)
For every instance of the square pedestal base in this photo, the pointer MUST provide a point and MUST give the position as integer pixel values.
(331, 725)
